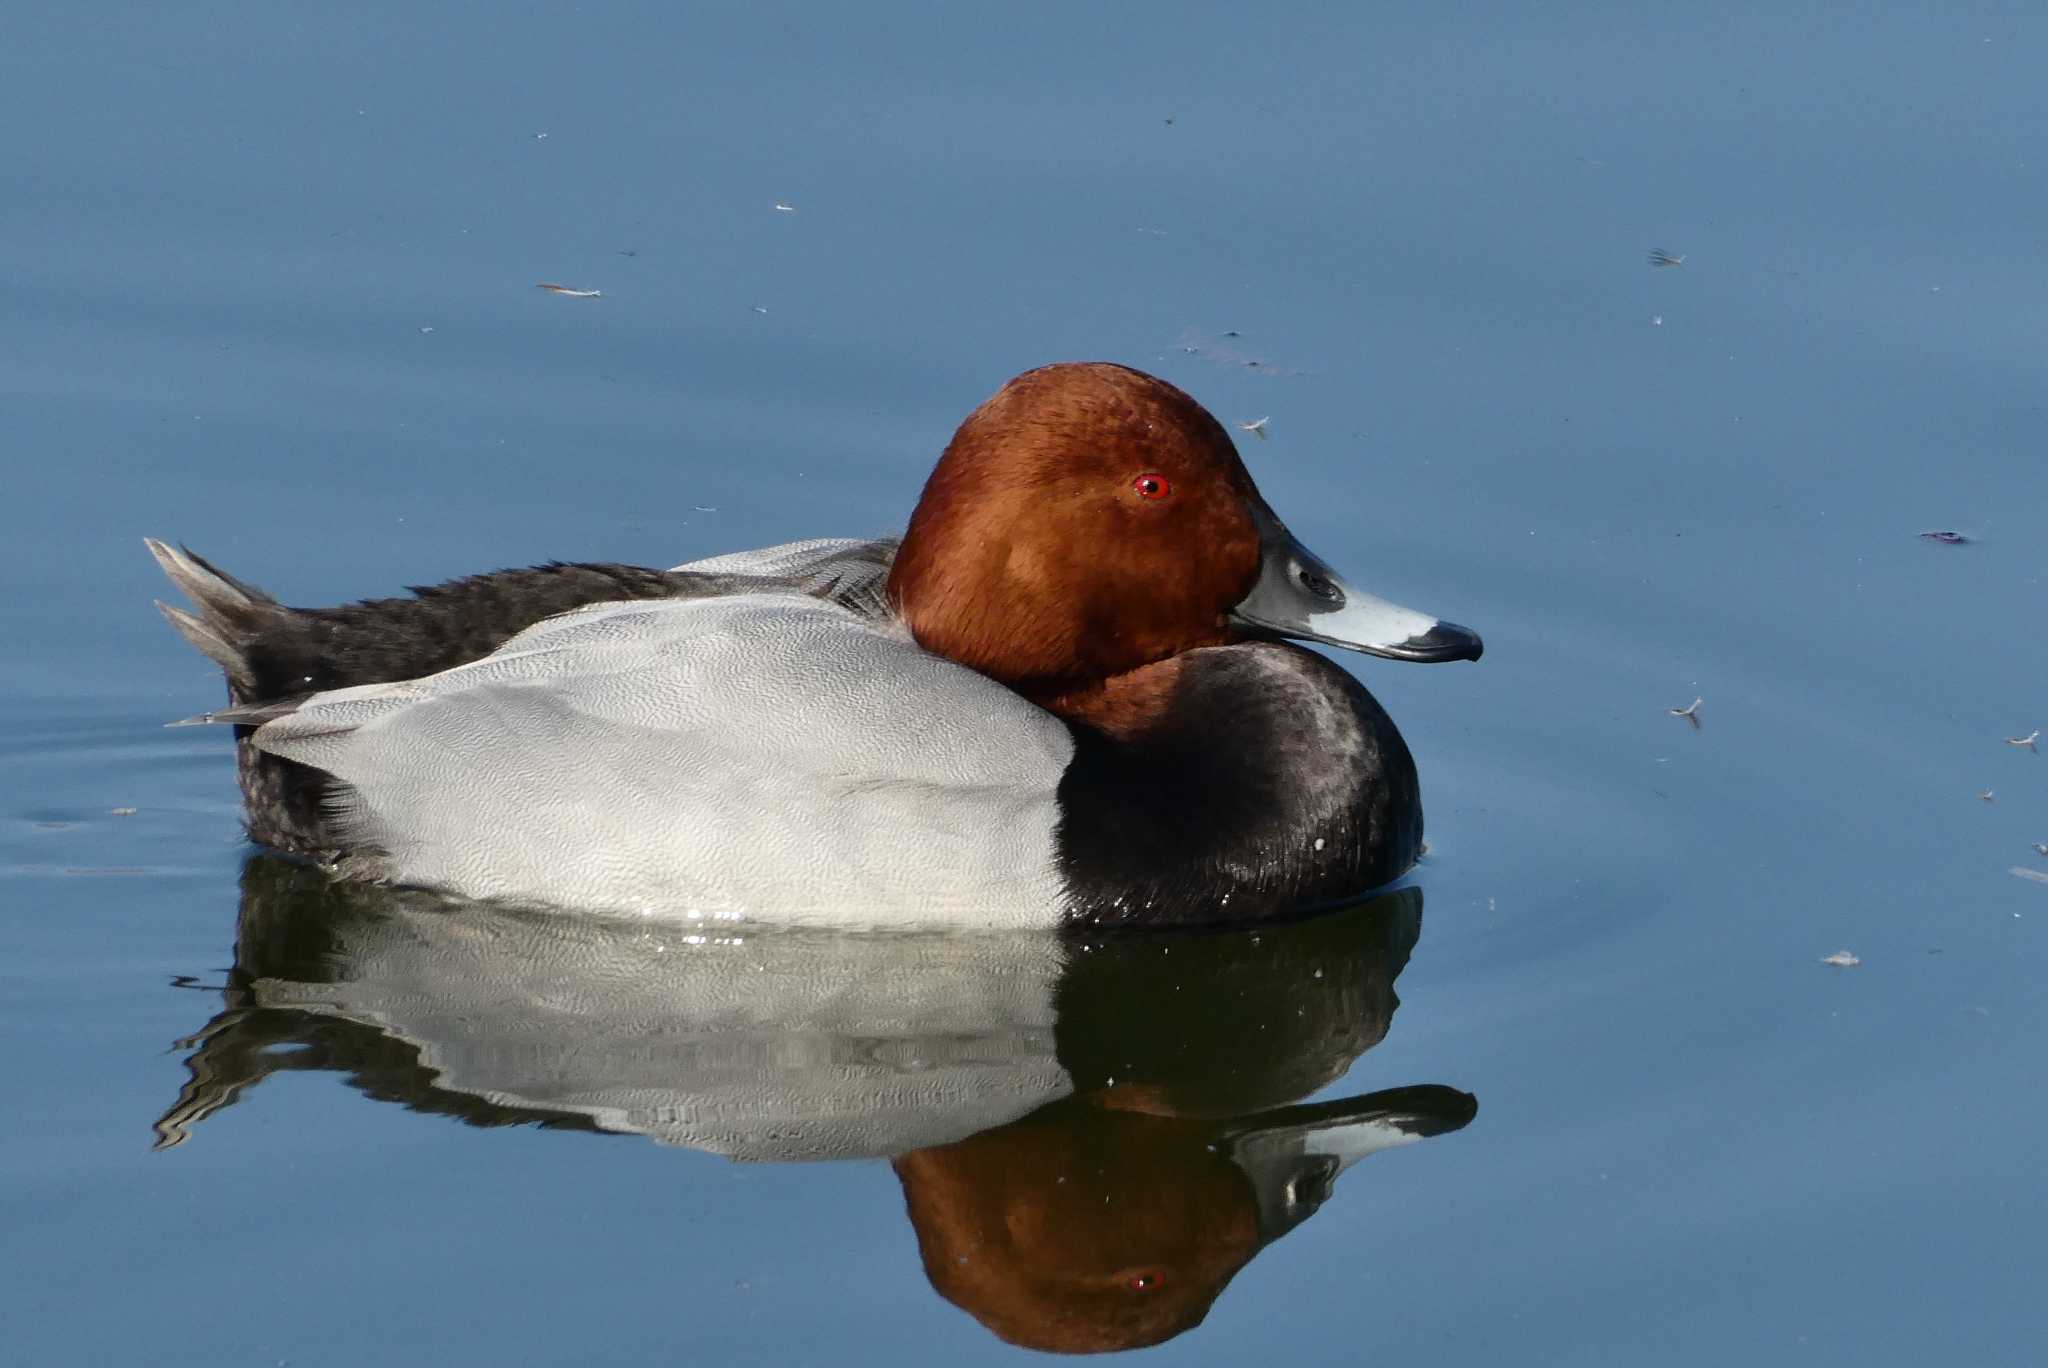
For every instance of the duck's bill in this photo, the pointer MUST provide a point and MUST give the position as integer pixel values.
(1298, 595)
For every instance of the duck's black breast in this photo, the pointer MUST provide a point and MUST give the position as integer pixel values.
(1271, 782)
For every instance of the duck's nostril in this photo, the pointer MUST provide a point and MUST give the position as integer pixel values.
(1316, 584)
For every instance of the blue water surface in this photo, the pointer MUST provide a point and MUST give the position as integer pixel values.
(269, 289)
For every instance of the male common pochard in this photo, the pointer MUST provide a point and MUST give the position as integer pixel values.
(1059, 698)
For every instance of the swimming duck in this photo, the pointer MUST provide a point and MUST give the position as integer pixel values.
(1061, 696)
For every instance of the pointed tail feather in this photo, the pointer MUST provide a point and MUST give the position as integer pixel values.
(245, 714)
(230, 615)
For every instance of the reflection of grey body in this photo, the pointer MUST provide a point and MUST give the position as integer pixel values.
(787, 1045)
(755, 1048)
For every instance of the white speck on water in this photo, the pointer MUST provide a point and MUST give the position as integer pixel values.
(1842, 959)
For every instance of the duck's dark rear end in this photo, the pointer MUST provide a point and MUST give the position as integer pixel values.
(274, 655)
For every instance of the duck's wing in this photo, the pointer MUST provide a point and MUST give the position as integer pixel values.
(762, 754)
(847, 570)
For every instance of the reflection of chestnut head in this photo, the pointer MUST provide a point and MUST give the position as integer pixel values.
(1080, 1229)
(1098, 1223)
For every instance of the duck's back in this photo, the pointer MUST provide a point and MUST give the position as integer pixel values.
(758, 754)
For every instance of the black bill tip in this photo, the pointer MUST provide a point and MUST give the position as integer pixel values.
(1445, 641)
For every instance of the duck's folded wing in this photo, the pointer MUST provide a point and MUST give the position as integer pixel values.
(847, 570)
(762, 755)
(795, 560)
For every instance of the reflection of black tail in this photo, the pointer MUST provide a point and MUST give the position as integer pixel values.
(294, 929)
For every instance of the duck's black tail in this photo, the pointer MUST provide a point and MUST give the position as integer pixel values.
(276, 655)
(233, 617)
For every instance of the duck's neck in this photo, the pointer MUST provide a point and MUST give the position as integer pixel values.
(1124, 706)
(1229, 785)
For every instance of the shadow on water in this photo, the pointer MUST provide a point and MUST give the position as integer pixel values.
(1093, 1136)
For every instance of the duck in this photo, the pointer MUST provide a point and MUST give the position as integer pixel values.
(1070, 693)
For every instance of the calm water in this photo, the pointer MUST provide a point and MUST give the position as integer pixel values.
(269, 289)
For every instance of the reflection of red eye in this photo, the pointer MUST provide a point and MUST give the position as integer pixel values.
(1144, 1282)
(1152, 486)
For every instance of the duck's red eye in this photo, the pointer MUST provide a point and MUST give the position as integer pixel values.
(1143, 1282)
(1151, 485)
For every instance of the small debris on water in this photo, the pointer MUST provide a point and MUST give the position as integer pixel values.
(2039, 847)
(1660, 258)
(1690, 713)
(781, 208)
(427, 329)
(1842, 959)
(1946, 538)
(1222, 348)
(2031, 875)
(1989, 796)
(121, 812)
(1257, 427)
(568, 293)
(2028, 740)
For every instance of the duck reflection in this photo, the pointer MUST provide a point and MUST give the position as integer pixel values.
(1092, 1136)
